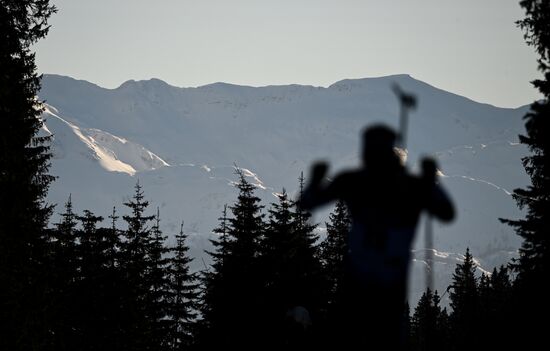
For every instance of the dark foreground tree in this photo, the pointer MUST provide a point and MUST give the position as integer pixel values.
(464, 298)
(62, 280)
(494, 311)
(134, 264)
(429, 325)
(98, 308)
(291, 273)
(184, 295)
(534, 252)
(531, 297)
(23, 178)
(333, 251)
(158, 286)
(232, 287)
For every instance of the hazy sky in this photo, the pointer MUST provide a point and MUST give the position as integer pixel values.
(469, 47)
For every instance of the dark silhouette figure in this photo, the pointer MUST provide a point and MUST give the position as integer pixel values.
(385, 202)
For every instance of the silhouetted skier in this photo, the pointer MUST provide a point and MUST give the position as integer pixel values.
(385, 203)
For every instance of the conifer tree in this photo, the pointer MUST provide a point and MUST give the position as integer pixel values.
(464, 298)
(184, 297)
(304, 228)
(111, 242)
(424, 322)
(495, 292)
(534, 253)
(221, 242)
(24, 163)
(99, 288)
(134, 264)
(213, 280)
(158, 286)
(114, 287)
(231, 295)
(531, 295)
(309, 256)
(283, 276)
(333, 251)
(429, 325)
(65, 234)
(290, 266)
(62, 278)
(90, 285)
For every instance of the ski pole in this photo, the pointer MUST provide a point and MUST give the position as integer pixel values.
(407, 102)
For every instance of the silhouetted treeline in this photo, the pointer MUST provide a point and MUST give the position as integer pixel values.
(263, 270)
(272, 282)
(110, 288)
(479, 312)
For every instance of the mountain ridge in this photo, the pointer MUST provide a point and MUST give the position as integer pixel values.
(153, 80)
(275, 132)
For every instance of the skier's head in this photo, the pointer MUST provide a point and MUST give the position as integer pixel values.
(378, 146)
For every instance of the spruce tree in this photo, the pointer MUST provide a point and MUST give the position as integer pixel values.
(495, 298)
(113, 286)
(99, 288)
(213, 280)
(442, 337)
(134, 264)
(63, 279)
(304, 228)
(112, 242)
(290, 266)
(24, 163)
(232, 289)
(309, 257)
(184, 299)
(429, 325)
(333, 252)
(302, 216)
(158, 286)
(534, 253)
(423, 322)
(283, 276)
(494, 295)
(89, 292)
(464, 298)
(531, 301)
(221, 242)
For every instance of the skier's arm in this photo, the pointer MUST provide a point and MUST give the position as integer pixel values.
(317, 191)
(438, 203)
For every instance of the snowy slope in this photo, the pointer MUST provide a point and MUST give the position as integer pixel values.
(181, 143)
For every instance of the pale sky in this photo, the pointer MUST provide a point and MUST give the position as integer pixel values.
(469, 47)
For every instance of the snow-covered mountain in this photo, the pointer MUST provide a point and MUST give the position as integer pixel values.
(181, 144)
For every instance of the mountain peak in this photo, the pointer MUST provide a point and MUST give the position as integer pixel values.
(149, 83)
(222, 86)
(397, 78)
